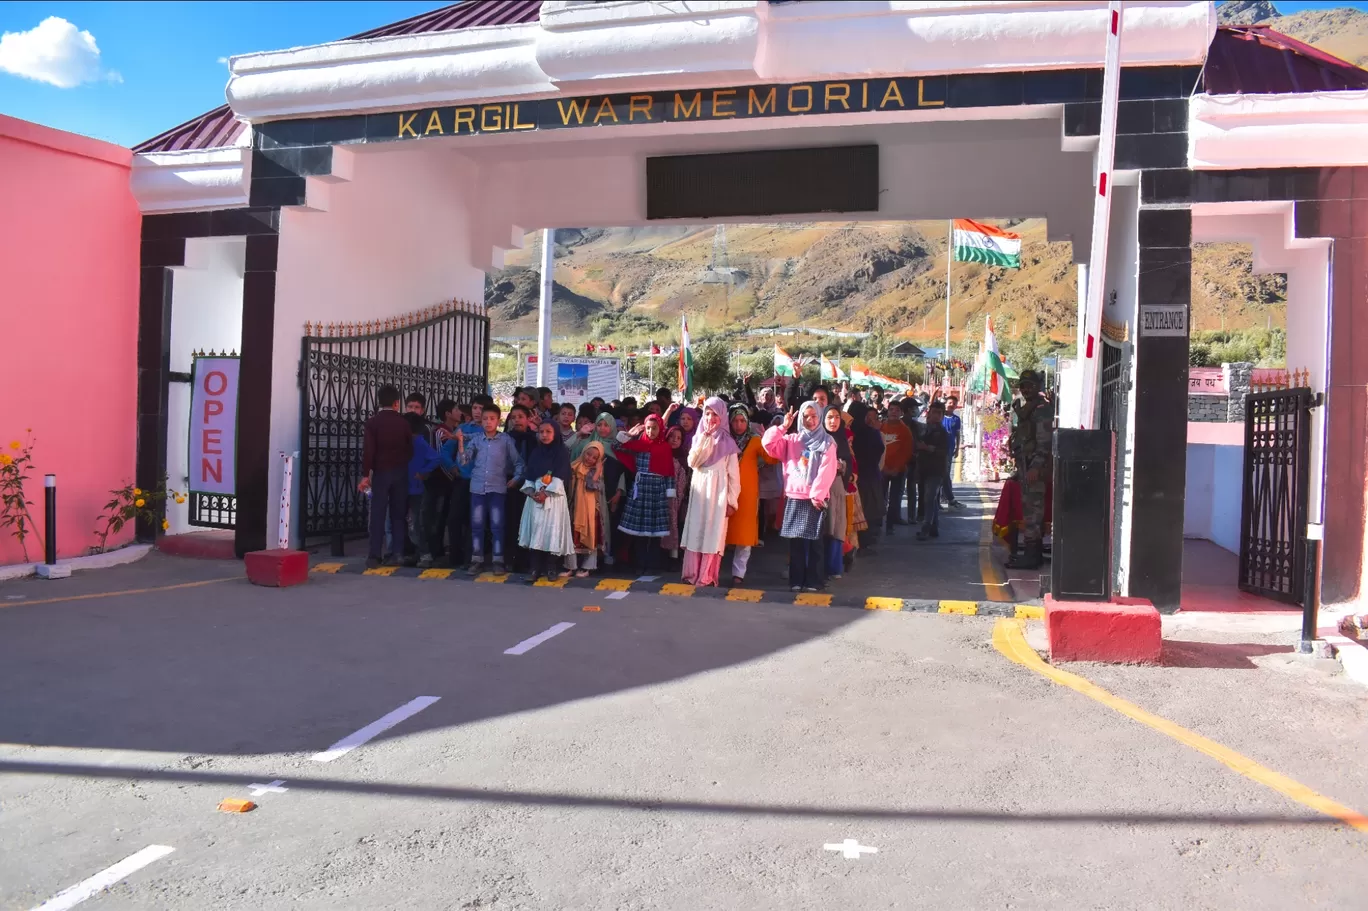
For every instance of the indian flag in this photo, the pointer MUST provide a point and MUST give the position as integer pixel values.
(831, 371)
(859, 373)
(685, 362)
(783, 364)
(979, 243)
(995, 382)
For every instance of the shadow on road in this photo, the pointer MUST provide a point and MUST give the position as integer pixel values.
(230, 668)
(601, 802)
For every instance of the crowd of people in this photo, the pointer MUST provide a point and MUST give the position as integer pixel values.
(553, 490)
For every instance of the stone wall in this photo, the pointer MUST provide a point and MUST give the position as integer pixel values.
(1223, 408)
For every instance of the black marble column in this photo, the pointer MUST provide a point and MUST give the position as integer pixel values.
(254, 394)
(1159, 460)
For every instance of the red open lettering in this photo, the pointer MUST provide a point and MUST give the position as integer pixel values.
(214, 468)
(211, 438)
(211, 408)
(222, 382)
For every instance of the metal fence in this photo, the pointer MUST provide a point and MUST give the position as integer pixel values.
(442, 352)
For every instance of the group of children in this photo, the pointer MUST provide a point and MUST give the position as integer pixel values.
(553, 491)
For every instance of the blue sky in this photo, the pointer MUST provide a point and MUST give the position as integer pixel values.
(158, 62)
(165, 55)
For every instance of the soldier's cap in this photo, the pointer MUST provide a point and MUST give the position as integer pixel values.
(1031, 376)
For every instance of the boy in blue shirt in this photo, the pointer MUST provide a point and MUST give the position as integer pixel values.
(423, 461)
(494, 466)
(954, 429)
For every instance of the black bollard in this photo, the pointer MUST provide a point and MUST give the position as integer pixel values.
(49, 569)
(50, 520)
(1081, 565)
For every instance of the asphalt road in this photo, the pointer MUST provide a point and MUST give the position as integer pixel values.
(661, 753)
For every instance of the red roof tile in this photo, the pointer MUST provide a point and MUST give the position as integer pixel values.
(1255, 60)
(220, 128)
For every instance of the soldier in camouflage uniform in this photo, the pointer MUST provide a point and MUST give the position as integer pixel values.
(1031, 444)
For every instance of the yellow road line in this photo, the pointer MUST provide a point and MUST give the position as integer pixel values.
(811, 599)
(967, 608)
(1030, 612)
(883, 604)
(677, 589)
(1009, 640)
(436, 574)
(752, 595)
(995, 584)
(613, 585)
(326, 567)
(126, 591)
(380, 571)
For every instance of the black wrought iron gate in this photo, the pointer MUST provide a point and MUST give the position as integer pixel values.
(1277, 455)
(442, 352)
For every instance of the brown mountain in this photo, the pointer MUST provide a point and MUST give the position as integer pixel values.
(1341, 31)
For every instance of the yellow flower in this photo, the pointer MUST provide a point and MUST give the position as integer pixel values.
(180, 498)
(165, 525)
(140, 502)
(5, 459)
(14, 444)
(137, 492)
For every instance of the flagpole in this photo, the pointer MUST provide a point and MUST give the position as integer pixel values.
(949, 259)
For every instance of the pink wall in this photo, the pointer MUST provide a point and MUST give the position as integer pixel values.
(69, 235)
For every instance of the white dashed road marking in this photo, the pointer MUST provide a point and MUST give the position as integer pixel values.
(850, 849)
(70, 898)
(528, 644)
(259, 789)
(374, 729)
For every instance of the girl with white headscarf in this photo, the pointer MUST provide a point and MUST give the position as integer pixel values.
(809, 459)
(714, 489)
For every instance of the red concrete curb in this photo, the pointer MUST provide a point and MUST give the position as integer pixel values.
(204, 545)
(277, 568)
(1120, 631)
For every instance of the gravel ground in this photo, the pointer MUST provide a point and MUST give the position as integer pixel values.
(662, 753)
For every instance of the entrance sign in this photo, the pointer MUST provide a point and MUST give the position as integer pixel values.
(577, 379)
(213, 425)
(1159, 322)
(1207, 381)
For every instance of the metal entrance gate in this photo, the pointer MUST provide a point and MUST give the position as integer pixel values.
(442, 352)
(1276, 477)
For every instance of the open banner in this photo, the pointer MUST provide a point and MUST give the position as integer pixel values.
(213, 425)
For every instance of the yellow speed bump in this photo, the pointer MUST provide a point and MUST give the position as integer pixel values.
(751, 595)
(550, 583)
(1030, 612)
(812, 599)
(591, 609)
(326, 568)
(613, 585)
(436, 574)
(966, 608)
(496, 578)
(677, 589)
(381, 571)
(883, 604)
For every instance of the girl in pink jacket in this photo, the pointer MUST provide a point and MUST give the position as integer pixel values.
(809, 460)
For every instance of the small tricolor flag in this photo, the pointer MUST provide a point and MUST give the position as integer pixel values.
(976, 242)
(832, 371)
(995, 381)
(685, 361)
(783, 364)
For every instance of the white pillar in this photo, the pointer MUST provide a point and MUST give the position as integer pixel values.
(544, 311)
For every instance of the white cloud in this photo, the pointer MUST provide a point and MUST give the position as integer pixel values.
(54, 51)
(223, 60)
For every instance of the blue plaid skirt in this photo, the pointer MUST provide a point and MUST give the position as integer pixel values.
(801, 520)
(647, 515)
